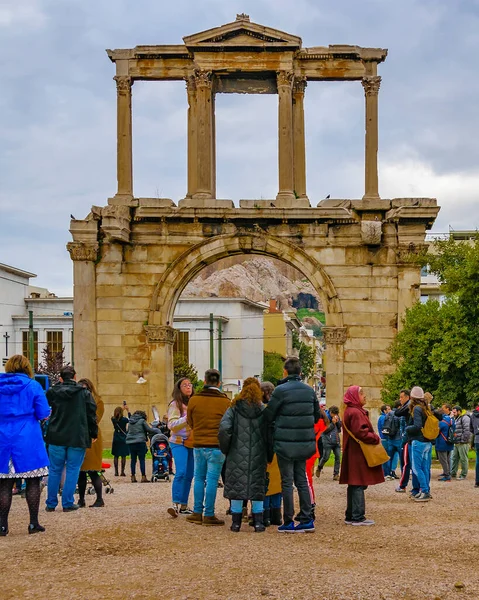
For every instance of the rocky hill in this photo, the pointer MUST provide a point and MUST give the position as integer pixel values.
(257, 278)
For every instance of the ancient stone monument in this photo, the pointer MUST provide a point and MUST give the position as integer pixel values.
(133, 257)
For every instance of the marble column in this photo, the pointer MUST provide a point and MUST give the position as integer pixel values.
(124, 136)
(299, 160)
(371, 90)
(204, 136)
(84, 307)
(192, 135)
(285, 136)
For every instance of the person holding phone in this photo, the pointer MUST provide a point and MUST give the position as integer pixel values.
(119, 447)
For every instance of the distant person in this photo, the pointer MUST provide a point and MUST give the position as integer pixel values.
(294, 409)
(405, 418)
(243, 440)
(445, 442)
(475, 439)
(273, 494)
(462, 437)
(205, 411)
(71, 430)
(92, 463)
(22, 449)
(119, 447)
(355, 471)
(331, 438)
(136, 438)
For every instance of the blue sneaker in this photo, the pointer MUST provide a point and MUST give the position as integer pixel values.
(289, 528)
(306, 527)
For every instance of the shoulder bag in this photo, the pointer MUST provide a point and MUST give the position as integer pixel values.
(375, 454)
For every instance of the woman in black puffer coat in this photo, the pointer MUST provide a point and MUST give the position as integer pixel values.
(243, 439)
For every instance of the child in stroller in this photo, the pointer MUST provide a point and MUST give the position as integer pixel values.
(161, 454)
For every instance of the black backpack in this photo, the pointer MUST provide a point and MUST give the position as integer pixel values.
(391, 425)
(449, 438)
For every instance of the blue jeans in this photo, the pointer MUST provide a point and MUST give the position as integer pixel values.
(184, 466)
(208, 463)
(273, 501)
(386, 465)
(476, 446)
(256, 506)
(394, 451)
(421, 455)
(72, 459)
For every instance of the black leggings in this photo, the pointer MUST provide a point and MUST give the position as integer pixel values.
(96, 481)
(123, 464)
(139, 451)
(32, 493)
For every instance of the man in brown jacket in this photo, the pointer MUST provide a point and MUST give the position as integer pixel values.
(205, 411)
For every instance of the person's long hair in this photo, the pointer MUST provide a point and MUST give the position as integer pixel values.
(251, 392)
(118, 413)
(86, 383)
(417, 402)
(178, 397)
(19, 364)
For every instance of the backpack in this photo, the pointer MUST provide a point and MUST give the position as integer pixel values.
(449, 438)
(391, 425)
(430, 430)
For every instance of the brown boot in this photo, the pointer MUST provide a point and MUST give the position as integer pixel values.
(212, 521)
(133, 479)
(144, 479)
(196, 518)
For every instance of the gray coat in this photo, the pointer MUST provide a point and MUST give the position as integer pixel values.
(138, 429)
(475, 425)
(462, 435)
(242, 438)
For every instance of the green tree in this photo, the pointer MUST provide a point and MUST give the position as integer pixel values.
(182, 368)
(272, 367)
(438, 347)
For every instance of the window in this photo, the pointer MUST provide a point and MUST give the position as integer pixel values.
(25, 351)
(55, 341)
(182, 345)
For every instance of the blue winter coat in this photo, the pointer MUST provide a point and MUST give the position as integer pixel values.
(441, 444)
(22, 406)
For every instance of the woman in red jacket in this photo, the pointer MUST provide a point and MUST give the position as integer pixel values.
(355, 471)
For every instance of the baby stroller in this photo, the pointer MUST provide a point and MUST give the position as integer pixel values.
(105, 482)
(161, 455)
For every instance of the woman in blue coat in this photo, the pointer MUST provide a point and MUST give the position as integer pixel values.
(22, 450)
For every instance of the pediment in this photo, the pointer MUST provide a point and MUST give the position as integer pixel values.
(242, 33)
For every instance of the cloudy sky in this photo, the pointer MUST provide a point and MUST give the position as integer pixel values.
(58, 102)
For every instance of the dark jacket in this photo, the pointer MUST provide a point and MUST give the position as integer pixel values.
(242, 438)
(441, 441)
(475, 425)
(22, 406)
(138, 429)
(73, 420)
(331, 435)
(294, 408)
(462, 435)
(414, 430)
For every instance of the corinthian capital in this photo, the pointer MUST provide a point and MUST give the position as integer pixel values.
(160, 334)
(81, 251)
(334, 335)
(299, 85)
(190, 83)
(371, 85)
(123, 84)
(203, 78)
(284, 78)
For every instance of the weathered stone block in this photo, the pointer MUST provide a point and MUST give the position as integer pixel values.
(357, 367)
(109, 364)
(109, 340)
(108, 314)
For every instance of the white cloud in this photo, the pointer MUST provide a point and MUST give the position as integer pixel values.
(22, 13)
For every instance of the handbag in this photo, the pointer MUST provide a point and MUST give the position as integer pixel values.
(375, 454)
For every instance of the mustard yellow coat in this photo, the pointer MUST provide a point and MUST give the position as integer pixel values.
(274, 486)
(93, 456)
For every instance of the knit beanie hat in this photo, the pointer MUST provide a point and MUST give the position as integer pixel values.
(417, 393)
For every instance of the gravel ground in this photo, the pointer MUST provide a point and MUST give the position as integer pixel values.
(133, 549)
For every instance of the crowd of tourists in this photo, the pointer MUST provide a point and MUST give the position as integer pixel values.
(258, 447)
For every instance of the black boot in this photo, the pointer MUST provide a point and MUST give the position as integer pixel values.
(236, 519)
(267, 517)
(276, 516)
(258, 522)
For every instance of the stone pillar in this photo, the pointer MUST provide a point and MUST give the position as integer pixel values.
(124, 136)
(335, 338)
(285, 136)
(204, 145)
(371, 90)
(192, 135)
(84, 308)
(160, 338)
(299, 161)
(409, 277)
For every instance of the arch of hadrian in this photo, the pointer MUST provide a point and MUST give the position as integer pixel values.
(133, 257)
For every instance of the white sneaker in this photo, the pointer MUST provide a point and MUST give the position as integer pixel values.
(173, 511)
(364, 523)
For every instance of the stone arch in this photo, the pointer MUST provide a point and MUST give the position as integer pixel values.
(192, 261)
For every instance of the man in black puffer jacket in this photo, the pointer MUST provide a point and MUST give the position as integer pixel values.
(294, 409)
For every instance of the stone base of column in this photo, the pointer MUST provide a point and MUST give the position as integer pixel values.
(122, 200)
(371, 197)
(205, 203)
(289, 200)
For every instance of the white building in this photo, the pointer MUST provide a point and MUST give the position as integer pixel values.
(237, 337)
(52, 317)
